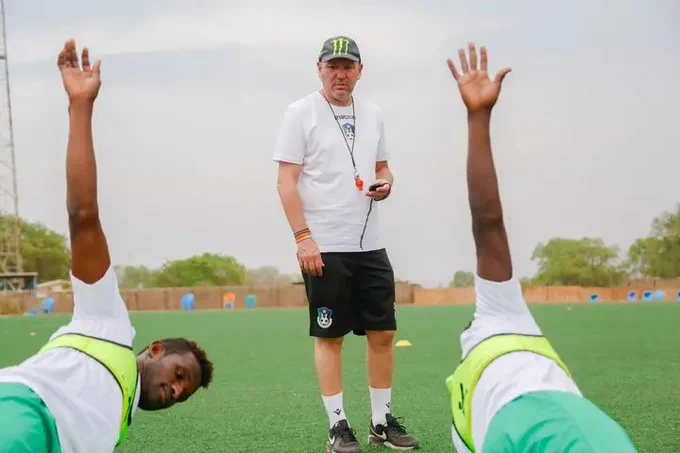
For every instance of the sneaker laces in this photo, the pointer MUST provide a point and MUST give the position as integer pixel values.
(347, 434)
(395, 424)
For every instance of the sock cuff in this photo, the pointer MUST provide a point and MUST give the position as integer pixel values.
(331, 396)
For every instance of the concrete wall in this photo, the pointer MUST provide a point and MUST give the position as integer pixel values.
(535, 295)
(652, 284)
(212, 298)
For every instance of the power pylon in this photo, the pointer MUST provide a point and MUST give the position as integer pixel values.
(10, 228)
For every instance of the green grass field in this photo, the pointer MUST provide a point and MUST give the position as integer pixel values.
(264, 396)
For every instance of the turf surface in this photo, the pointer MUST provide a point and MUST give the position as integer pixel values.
(264, 396)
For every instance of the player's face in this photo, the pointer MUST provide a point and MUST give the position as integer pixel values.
(339, 76)
(168, 379)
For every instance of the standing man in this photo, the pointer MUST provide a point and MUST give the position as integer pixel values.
(511, 393)
(333, 173)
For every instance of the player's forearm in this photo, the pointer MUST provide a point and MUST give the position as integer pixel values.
(81, 172)
(484, 198)
(488, 228)
(292, 205)
(386, 174)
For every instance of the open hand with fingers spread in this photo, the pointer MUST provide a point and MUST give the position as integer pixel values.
(81, 84)
(479, 93)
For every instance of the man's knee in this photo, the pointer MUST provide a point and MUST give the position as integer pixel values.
(329, 344)
(380, 340)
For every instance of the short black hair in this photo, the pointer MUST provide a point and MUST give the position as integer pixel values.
(182, 346)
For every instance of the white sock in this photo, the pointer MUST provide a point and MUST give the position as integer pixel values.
(334, 408)
(381, 405)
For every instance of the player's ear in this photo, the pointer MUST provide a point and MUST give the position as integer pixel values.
(156, 349)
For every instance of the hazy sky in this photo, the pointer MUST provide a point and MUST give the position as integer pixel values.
(585, 135)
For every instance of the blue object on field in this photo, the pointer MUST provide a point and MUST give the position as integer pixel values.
(32, 313)
(678, 296)
(228, 305)
(251, 300)
(647, 296)
(660, 295)
(188, 302)
(47, 305)
(632, 296)
(594, 297)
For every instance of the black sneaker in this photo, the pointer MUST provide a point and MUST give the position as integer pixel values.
(392, 435)
(342, 439)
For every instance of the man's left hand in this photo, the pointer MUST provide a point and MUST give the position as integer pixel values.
(381, 192)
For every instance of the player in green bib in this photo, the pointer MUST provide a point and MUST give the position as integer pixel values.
(511, 393)
(79, 393)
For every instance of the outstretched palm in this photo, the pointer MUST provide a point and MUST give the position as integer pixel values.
(80, 84)
(479, 93)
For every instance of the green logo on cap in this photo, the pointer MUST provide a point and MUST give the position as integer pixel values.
(340, 45)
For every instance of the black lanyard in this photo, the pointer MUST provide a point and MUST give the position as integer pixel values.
(357, 179)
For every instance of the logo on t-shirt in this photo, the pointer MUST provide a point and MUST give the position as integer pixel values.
(348, 129)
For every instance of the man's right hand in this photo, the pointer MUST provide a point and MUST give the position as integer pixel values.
(309, 258)
(81, 85)
(479, 93)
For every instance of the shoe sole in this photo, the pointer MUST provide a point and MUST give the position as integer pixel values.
(378, 442)
(329, 449)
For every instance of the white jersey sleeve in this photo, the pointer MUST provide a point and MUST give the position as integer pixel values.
(290, 143)
(382, 154)
(100, 299)
(99, 310)
(500, 309)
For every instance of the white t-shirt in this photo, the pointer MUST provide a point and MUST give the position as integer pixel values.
(501, 309)
(335, 210)
(81, 394)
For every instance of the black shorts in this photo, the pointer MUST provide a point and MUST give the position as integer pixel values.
(355, 293)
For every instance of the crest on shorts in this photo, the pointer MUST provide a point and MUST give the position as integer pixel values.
(324, 317)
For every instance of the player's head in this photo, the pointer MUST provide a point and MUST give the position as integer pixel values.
(339, 66)
(171, 371)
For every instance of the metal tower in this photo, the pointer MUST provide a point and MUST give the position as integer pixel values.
(10, 229)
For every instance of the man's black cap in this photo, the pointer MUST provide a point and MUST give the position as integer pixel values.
(339, 47)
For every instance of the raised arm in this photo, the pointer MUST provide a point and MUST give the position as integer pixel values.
(89, 250)
(480, 94)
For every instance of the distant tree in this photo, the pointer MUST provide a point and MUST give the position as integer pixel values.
(267, 275)
(132, 277)
(201, 270)
(42, 250)
(658, 255)
(526, 282)
(579, 262)
(642, 258)
(462, 279)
